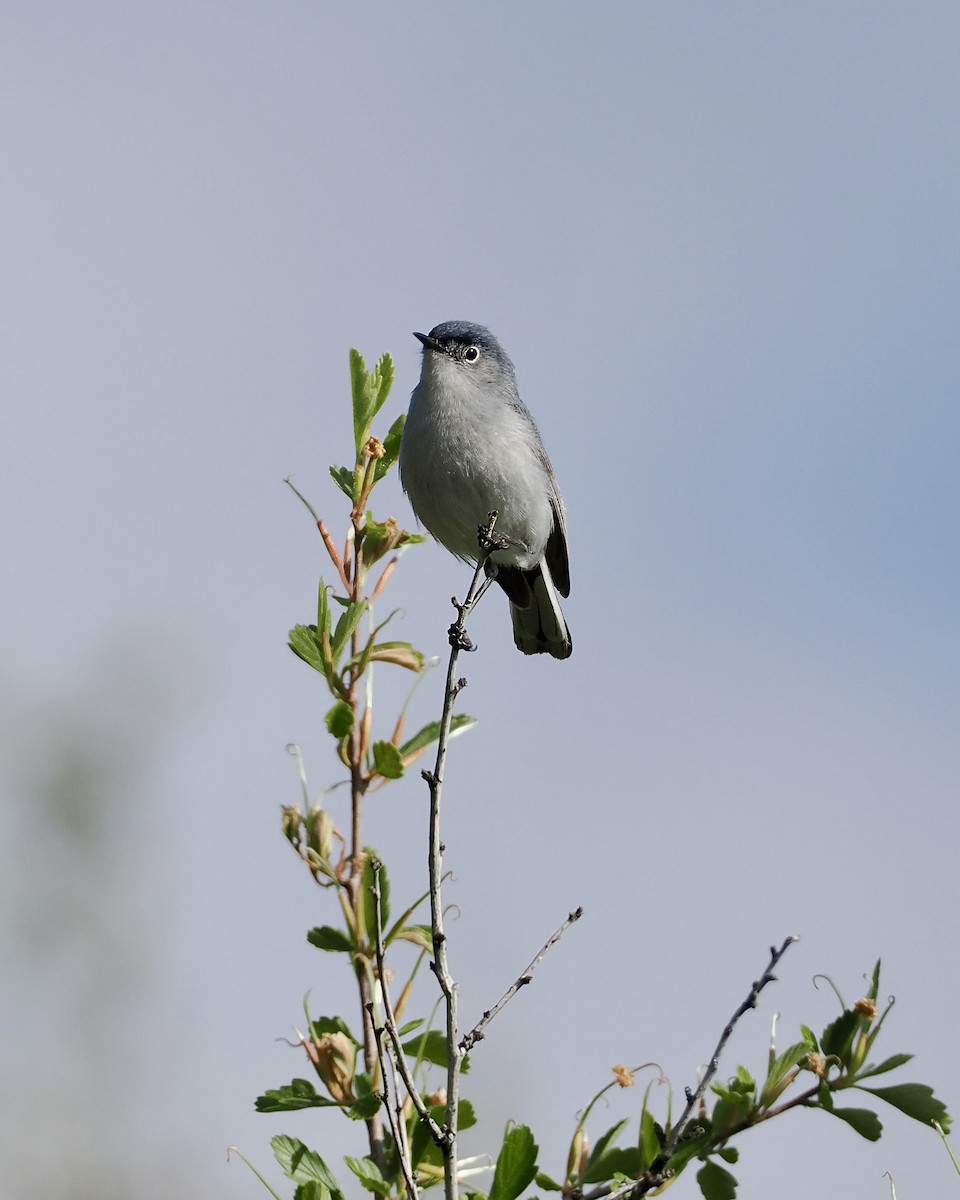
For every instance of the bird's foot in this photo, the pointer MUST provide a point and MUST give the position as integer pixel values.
(459, 638)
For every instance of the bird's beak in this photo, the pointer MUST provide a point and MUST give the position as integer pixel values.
(429, 342)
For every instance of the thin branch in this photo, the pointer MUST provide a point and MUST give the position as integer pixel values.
(390, 1023)
(440, 966)
(334, 554)
(403, 1143)
(394, 1120)
(694, 1098)
(479, 1030)
(657, 1173)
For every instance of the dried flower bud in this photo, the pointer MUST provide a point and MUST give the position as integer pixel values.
(866, 1008)
(335, 1057)
(623, 1075)
(815, 1063)
(373, 448)
(290, 823)
(320, 830)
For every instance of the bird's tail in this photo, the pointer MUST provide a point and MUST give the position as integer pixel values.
(539, 626)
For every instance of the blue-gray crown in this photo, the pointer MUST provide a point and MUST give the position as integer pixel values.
(466, 333)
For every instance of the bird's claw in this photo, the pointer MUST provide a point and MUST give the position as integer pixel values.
(459, 638)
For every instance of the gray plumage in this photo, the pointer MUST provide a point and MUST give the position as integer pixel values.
(470, 446)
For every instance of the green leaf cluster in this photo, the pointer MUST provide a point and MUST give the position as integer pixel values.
(810, 1073)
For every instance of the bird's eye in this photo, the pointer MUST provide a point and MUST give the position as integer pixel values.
(471, 354)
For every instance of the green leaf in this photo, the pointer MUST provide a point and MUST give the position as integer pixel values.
(423, 1149)
(391, 448)
(417, 935)
(781, 1066)
(346, 481)
(606, 1140)
(368, 903)
(387, 760)
(380, 539)
(729, 1154)
(737, 1093)
(651, 1139)
(303, 1165)
(838, 1036)
(744, 1081)
(365, 1107)
(546, 1183)
(339, 720)
(401, 923)
(690, 1147)
(368, 1102)
(810, 1037)
(349, 619)
(311, 1191)
(322, 1025)
(467, 1117)
(875, 983)
(430, 733)
(369, 1174)
(370, 390)
(291, 1098)
(614, 1160)
(401, 654)
(716, 1183)
(888, 1064)
(383, 380)
(516, 1164)
(326, 937)
(863, 1120)
(323, 609)
(431, 1047)
(914, 1100)
(305, 644)
(360, 388)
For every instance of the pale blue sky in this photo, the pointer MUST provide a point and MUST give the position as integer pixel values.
(720, 243)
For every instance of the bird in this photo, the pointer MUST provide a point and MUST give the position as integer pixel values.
(470, 447)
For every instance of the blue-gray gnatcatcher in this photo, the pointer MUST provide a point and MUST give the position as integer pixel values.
(470, 446)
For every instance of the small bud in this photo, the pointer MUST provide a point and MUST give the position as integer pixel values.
(623, 1075)
(815, 1063)
(579, 1154)
(320, 829)
(374, 448)
(866, 1008)
(291, 822)
(335, 1057)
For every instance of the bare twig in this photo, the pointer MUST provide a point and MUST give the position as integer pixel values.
(694, 1098)
(479, 1030)
(390, 1023)
(440, 966)
(658, 1173)
(394, 1118)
